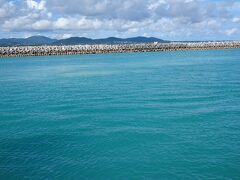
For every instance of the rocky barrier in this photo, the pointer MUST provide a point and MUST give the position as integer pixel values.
(120, 48)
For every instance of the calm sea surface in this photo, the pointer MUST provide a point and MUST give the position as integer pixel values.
(166, 115)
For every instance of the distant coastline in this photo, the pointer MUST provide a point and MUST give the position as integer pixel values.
(49, 50)
(42, 40)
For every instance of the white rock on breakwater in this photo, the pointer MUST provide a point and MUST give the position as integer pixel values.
(94, 49)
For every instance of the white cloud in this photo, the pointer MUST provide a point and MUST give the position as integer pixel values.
(42, 25)
(65, 36)
(36, 5)
(17, 24)
(7, 9)
(236, 19)
(74, 23)
(232, 31)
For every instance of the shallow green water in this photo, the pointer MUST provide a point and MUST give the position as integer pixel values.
(167, 115)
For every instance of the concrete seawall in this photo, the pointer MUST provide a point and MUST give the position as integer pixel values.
(99, 49)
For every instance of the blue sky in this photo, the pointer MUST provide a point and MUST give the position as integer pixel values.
(166, 19)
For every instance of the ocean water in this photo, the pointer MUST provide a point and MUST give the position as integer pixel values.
(164, 115)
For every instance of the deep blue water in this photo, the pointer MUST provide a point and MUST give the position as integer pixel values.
(166, 115)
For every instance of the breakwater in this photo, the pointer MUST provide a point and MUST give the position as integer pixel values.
(120, 48)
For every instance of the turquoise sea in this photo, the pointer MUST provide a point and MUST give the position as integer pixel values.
(164, 115)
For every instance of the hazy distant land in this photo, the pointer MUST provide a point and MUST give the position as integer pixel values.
(42, 40)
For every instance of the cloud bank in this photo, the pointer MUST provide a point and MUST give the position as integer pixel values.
(167, 19)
